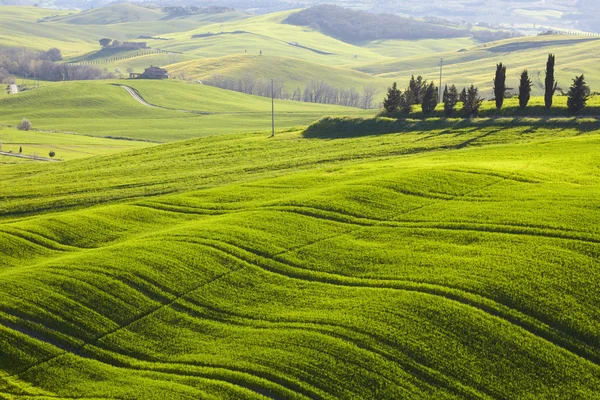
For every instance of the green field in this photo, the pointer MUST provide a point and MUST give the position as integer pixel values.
(176, 250)
(438, 263)
(66, 146)
(103, 109)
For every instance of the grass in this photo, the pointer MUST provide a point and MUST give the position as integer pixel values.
(103, 109)
(476, 65)
(67, 147)
(293, 72)
(454, 262)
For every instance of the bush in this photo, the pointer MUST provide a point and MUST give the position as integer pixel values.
(25, 125)
(52, 154)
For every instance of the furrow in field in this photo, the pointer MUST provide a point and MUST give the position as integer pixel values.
(488, 306)
(363, 340)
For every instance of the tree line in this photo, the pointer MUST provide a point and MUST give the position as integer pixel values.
(420, 92)
(43, 65)
(315, 91)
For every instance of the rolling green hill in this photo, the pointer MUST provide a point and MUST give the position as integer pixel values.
(113, 14)
(454, 262)
(476, 65)
(293, 72)
(102, 108)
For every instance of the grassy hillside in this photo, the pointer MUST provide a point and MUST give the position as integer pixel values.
(429, 263)
(477, 64)
(293, 72)
(66, 146)
(113, 14)
(102, 108)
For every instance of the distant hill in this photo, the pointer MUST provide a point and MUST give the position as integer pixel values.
(356, 26)
(113, 14)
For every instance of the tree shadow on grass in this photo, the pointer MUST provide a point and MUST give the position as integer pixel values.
(347, 127)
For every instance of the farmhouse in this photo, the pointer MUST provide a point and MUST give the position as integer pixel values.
(152, 73)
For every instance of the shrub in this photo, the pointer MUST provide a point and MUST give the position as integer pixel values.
(24, 125)
(52, 154)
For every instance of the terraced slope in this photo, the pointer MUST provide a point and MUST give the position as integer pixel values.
(460, 262)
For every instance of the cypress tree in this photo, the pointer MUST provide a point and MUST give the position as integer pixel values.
(430, 98)
(471, 106)
(445, 95)
(578, 95)
(20, 149)
(392, 101)
(500, 85)
(524, 89)
(416, 90)
(550, 84)
(450, 100)
(463, 96)
(405, 104)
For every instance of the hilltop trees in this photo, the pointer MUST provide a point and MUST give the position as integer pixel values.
(463, 96)
(392, 101)
(472, 103)
(430, 98)
(524, 89)
(500, 85)
(578, 95)
(550, 85)
(450, 99)
(416, 90)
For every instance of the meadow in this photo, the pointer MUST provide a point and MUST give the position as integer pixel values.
(104, 109)
(428, 263)
(177, 251)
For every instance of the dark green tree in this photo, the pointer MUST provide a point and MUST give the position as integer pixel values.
(450, 100)
(578, 95)
(500, 85)
(416, 90)
(473, 102)
(430, 98)
(550, 85)
(445, 95)
(405, 105)
(463, 96)
(20, 149)
(524, 89)
(392, 102)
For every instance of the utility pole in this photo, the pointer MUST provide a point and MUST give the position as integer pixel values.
(272, 108)
(440, 89)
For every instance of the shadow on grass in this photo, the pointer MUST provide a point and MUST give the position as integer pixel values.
(347, 127)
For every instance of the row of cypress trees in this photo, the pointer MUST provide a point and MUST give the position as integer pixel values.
(426, 94)
(578, 93)
(419, 92)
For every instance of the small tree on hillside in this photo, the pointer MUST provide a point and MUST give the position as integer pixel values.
(105, 42)
(24, 125)
(51, 154)
(500, 85)
(392, 102)
(445, 94)
(473, 102)
(450, 100)
(524, 89)
(463, 96)
(430, 98)
(550, 85)
(578, 95)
